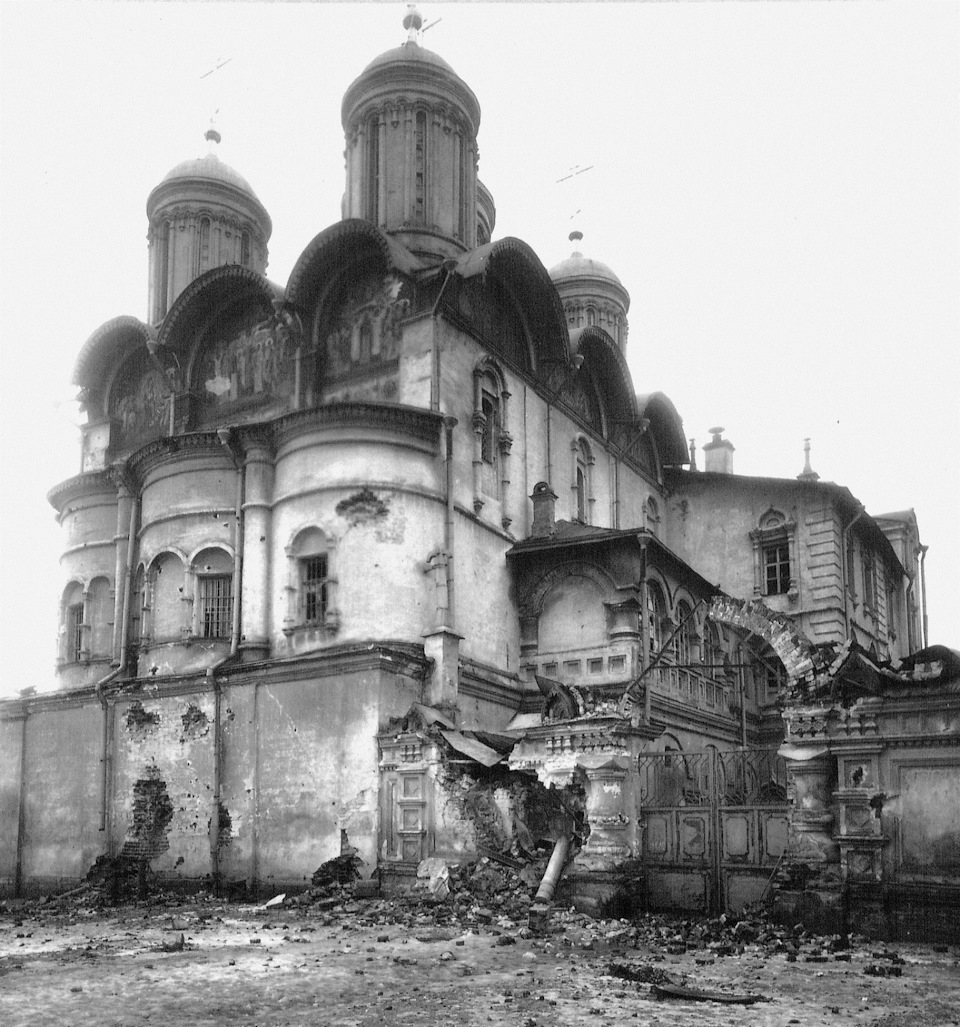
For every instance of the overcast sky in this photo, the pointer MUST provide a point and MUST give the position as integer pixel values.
(775, 184)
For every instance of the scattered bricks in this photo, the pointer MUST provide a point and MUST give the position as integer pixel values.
(875, 970)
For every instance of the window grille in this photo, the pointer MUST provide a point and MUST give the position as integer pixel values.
(216, 606)
(75, 632)
(314, 588)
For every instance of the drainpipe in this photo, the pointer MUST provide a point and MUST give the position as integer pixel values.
(448, 534)
(447, 266)
(644, 628)
(843, 571)
(923, 595)
(21, 806)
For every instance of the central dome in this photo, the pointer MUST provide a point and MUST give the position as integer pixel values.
(411, 125)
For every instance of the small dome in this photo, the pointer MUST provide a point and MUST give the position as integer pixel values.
(579, 266)
(209, 167)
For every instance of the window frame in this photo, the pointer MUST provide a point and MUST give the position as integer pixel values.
(220, 606)
(773, 533)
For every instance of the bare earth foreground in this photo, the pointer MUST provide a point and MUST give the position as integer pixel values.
(203, 961)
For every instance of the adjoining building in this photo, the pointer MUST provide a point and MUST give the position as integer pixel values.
(409, 505)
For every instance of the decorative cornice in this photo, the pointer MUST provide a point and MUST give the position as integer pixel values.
(173, 449)
(412, 422)
(90, 483)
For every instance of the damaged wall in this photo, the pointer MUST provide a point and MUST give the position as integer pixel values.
(298, 766)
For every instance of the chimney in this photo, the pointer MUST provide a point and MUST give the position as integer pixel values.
(544, 511)
(718, 454)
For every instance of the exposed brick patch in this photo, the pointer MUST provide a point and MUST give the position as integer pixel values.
(140, 719)
(152, 813)
(195, 723)
(363, 507)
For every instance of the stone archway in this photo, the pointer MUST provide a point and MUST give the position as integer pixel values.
(803, 662)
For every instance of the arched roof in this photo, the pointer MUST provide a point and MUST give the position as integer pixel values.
(105, 347)
(666, 425)
(518, 267)
(609, 369)
(347, 242)
(192, 308)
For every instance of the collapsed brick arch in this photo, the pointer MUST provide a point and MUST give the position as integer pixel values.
(801, 659)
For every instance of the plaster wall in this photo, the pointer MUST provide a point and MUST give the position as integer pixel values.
(185, 501)
(62, 774)
(11, 735)
(317, 763)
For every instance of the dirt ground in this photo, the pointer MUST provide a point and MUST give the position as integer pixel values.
(358, 963)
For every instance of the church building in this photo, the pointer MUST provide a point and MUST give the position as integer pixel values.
(403, 525)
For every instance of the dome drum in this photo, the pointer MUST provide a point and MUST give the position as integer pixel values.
(411, 156)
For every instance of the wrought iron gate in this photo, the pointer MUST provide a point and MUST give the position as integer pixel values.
(714, 827)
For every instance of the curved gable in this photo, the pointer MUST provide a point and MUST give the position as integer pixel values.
(102, 353)
(205, 299)
(607, 369)
(336, 250)
(514, 308)
(666, 427)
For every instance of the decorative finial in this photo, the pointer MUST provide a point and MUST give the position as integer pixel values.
(808, 473)
(716, 433)
(412, 22)
(575, 236)
(693, 454)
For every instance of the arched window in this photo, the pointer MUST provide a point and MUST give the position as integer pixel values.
(656, 614)
(773, 544)
(686, 640)
(163, 268)
(99, 615)
(213, 596)
(582, 484)
(373, 168)
(245, 249)
(73, 647)
(166, 584)
(202, 260)
(137, 599)
(420, 169)
(311, 585)
(652, 516)
(492, 441)
(712, 651)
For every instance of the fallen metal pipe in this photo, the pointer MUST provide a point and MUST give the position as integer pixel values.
(549, 883)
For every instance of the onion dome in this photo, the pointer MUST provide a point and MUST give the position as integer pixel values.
(591, 294)
(202, 215)
(411, 149)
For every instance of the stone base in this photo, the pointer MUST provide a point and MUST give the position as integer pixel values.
(912, 912)
(819, 911)
(603, 893)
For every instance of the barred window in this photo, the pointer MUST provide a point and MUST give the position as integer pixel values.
(216, 606)
(314, 588)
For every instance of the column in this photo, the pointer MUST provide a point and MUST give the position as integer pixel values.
(256, 542)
